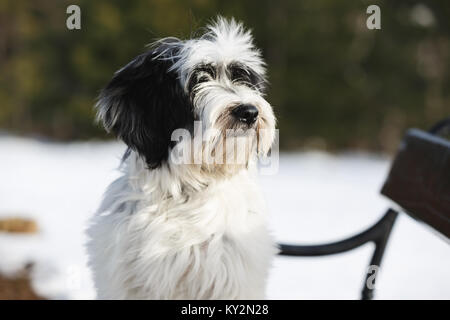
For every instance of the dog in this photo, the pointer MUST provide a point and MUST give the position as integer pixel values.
(189, 228)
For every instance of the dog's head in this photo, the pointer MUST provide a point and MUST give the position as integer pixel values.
(217, 79)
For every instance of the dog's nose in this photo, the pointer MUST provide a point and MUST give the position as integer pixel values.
(245, 113)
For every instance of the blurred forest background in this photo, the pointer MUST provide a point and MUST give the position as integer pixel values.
(334, 84)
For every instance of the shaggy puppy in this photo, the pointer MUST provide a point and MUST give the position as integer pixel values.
(186, 220)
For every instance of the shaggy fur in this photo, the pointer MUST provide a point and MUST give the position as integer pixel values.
(195, 230)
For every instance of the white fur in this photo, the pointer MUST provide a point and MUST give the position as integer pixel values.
(190, 231)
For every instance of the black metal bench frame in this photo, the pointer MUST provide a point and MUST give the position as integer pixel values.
(435, 214)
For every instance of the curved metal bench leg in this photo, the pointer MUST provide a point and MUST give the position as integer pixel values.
(380, 246)
(379, 234)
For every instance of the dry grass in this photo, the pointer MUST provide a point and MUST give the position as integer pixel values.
(18, 287)
(18, 225)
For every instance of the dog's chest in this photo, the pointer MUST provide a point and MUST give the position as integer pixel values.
(214, 246)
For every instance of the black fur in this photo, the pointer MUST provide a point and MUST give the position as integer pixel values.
(144, 103)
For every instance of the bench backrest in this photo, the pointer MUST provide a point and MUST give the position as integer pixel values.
(419, 179)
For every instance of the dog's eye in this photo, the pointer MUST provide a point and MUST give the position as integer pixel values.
(202, 73)
(203, 78)
(239, 74)
(205, 69)
(245, 76)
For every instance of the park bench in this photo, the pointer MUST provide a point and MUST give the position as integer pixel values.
(418, 184)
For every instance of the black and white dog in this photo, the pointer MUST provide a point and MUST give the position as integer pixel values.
(195, 228)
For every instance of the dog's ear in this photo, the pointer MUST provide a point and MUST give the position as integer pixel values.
(144, 103)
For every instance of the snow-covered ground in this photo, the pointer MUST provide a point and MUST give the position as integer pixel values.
(314, 198)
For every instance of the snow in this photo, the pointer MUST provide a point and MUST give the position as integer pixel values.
(314, 198)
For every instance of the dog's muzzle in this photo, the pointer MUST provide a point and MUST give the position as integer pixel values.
(245, 113)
